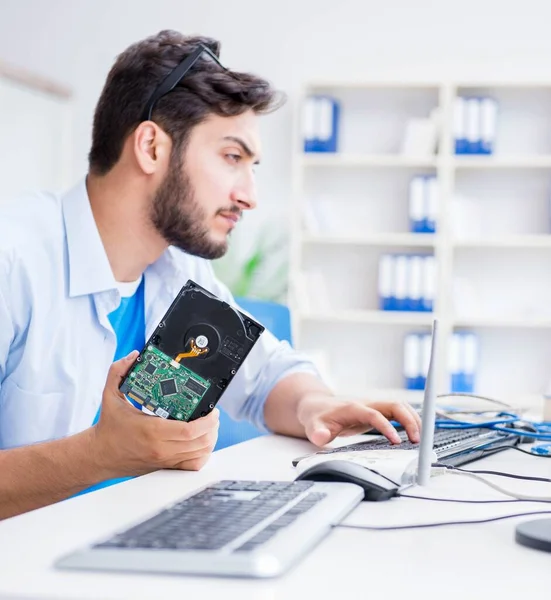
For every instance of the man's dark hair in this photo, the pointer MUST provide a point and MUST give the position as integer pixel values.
(206, 89)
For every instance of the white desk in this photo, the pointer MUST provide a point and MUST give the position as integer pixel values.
(470, 561)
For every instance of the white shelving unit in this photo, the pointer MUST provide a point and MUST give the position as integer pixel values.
(494, 278)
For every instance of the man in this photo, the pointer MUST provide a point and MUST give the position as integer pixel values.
(85, 278)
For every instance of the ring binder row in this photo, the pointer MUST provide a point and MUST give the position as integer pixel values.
(462, 361)
(475, 125)
(320, 124)
(423, 203)
(407, 282)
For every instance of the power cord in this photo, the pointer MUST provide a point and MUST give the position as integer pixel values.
(465, 501)
(496, 448)
(447, 468)
(454, 471)
(498, 473)
(443, 523)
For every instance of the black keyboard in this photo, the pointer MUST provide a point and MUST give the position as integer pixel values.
(442, 438)
(219, 514)
(444, 441)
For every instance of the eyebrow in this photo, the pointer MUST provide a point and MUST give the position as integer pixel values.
(246, 149)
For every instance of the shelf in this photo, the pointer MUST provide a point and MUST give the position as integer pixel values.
(321, 159)
(501, 162)
(374, 317)
(425, 240)
(504, 322)
(508, 241)
(314, 86)
(359, 200)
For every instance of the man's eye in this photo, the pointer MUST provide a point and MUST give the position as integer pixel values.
(234, 157)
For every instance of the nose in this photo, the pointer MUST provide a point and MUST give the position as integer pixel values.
(244, 193)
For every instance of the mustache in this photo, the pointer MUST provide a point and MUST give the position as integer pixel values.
(231, 210)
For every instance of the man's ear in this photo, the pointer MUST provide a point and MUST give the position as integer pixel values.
(152, 147)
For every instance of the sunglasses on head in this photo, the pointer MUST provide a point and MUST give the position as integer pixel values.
(175, 76)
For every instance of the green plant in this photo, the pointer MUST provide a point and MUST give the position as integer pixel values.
(257, 267)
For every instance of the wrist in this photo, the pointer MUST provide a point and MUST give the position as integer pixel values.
(97, 464)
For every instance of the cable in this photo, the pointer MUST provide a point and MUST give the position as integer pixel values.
(539, 431)
(542, 430)
(460, 500)
(465, 501)
(498, 473)
(443, 523)
(384, 476)
(521, 433)
(497, 448)
(497, 487)
(444, 424)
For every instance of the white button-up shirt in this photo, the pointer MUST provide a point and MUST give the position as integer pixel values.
(56, 342)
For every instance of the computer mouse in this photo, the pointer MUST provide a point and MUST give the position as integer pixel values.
(375, 486)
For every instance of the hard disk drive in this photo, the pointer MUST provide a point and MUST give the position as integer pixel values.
(191, 357)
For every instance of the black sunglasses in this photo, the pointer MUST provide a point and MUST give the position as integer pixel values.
(175, 76)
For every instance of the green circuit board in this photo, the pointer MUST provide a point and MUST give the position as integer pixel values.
(163, 386)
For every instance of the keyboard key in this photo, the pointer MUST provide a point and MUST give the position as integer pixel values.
(218, 514)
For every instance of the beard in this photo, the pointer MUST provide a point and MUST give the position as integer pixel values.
(180, 220)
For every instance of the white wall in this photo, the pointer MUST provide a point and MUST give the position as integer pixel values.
(288, 41)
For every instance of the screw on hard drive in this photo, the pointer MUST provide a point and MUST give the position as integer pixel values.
(161, 324)
(233, 371)
(211, 406)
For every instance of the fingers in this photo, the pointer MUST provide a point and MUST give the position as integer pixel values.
(119, 369)
(415, 415)
(196, 452)
(167, 454)
(204, 443)
(179, 431)
(409, 419)
(376, 419)
(352, 417)
(320, 435)
(192, 464)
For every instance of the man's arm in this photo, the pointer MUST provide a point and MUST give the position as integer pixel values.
(124, 442)
(281, 411)
(41, 474)
(301, 405)
(280, 390)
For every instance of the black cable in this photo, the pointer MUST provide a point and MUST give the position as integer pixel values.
(507, 447)
(522, 450)
(383, 476)
(498, 473)
(442, 523)
(461, 501)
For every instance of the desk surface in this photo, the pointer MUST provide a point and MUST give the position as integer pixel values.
(469, 561)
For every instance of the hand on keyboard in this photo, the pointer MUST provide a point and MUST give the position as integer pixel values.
(129, 442)
(325, 417)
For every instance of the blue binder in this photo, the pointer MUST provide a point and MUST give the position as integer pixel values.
(321, 124)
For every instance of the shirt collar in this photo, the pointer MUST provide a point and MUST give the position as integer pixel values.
(89, 268)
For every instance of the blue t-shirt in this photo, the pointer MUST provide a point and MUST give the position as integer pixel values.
(128, 322)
